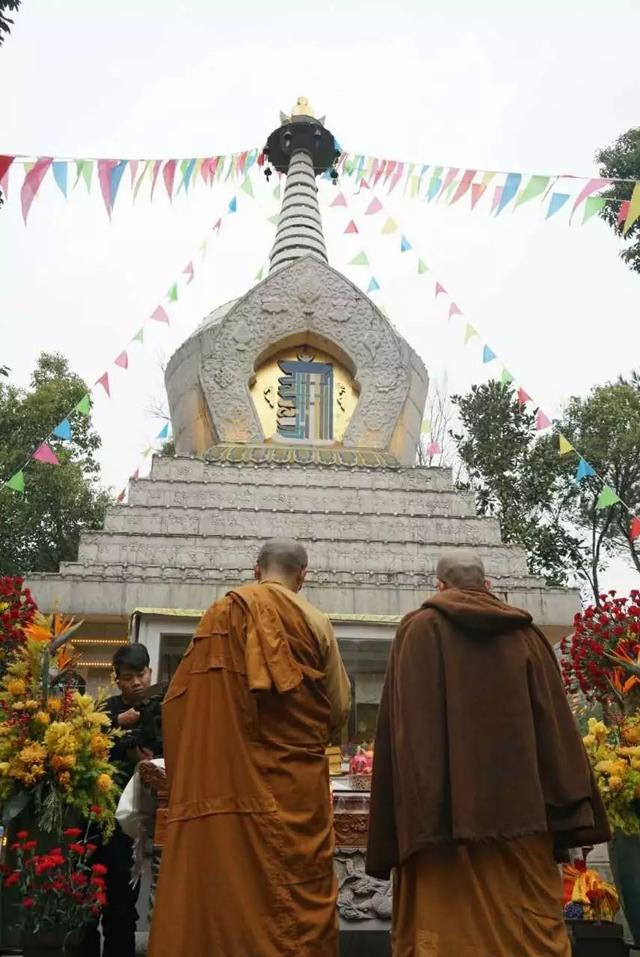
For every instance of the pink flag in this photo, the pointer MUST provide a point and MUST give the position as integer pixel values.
(397, 176)
(188, 271)
(592, 187)
(351, 227)
(5, 163)
(121, 496)
(622, 212)
(434, 448)
(454, 311)
(477, 189)
(390, 166)
(523, 397)
(497, 196)
(168, 174)
(375, 171)
(136, 475)
(44, 453)
(216, 226)
(122, 360)
(463, 185)
(374, 207)
(154, 175)
(160, 315)
(339, 200)
(440, 288)
(133, 169)
(104, 176)
(380, 172)
(542, 421)
(364, 184)
(32, 182)
(452, 172)
(104, 382)
(634, 530)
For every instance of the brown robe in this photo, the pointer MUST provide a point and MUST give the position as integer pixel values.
(247, 864)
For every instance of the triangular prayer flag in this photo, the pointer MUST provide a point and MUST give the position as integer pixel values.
(556, 202)
(592, 186)
(136, 475)
(168, 175)
(506, 378)
(592, 206)
(339, 200)
(32, 183)
(607, 497)
(535, 186)
(188, 272)
(542, 421)
(463, 185)
(120, 497)
(634, 209)
(59, 168)
(104, 176)
(363, 184)
(373, 285)
(488, 355)
(247, 187)
(351, 227)
(16, 482)
(63, 430)
(405, 245)
(172, 295)
(477, 189)
(564, 445)
(216, 226)
(116, 175)
(164, 432)
(133, 169)
(83, 407)
(233, 205)
(139, 337)
(160, 315)
(511, 186)
(434, 186)
(122, 360)
(622, 212)
(260, 273)
(389, 227)
(523, 397)
(275, 219)
(359, 260)
(143, 174)
(422, 267)
(634, 528)
(104, 382)
(433, 448)
(584, 470)
(87, 173)
(374, 207)
(497, 196)
(187, 173)
(440, 288)
(5, 163)
(44, 453)
(154, 176)
(454, 310)
(469, 333)
(450, 176)
(276, 192)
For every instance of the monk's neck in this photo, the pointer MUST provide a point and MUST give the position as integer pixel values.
(274, 580)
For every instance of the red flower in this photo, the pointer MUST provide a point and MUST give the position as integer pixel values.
(96, 810)
(91, 848)
(22, 835)
(98, 882)
(29, 845)
(99, 869)
(12, 879)
(77, 849)
(72, 832)
(28, 902)
(101, 899)
(79, 879)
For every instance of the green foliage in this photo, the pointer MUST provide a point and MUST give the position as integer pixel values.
(622, 160)
(42, 528)
(6, 22)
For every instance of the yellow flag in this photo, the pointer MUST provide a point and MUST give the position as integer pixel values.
(390, 226)
(634, 210)
(565, 445)
(469, 333)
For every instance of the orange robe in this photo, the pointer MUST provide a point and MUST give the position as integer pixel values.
(247, 864)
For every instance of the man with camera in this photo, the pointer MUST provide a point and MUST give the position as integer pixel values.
(137, 716)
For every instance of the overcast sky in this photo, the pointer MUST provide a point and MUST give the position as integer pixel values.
(532, 87)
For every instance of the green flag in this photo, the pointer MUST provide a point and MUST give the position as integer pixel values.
(84, 405)
(87, 173)
(359, 260)
(172, 295)
(607, 496)
(260, 273)
(422, 266)
(247, 187)
(276, 192)
(139, 336)
(274, 219)
(16, 482)
(592, 206)
(535, 186)
(506, 378)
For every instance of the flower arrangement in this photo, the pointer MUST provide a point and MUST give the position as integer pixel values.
(17, 611)
(601, 659)
(54, 742)
(614, 753)
(586, 896)
(60, 890)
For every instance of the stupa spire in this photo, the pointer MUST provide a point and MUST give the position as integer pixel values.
(303, 149)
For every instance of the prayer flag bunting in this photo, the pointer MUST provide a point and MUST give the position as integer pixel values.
(469, 333)
(104, 178)
(592, 187)
(63, 430)
(622, 212)
(584, 470)
(275, 219)
(363, 184)
(440, 288)
(497, 196)
(139, 337)
(373, 285)
(450, 176)
(32, 183)
(59, 168)
(117, 173)
(607, 497)
(168, 175)
(556, 203)
(397, 176)
(188, 272)
(122, 360)
(374, 207)
(233, 205)
(506, 378)
(16, 482)
(523, 397)
(5, 163)
(164, 432)
(434, 186)
(592, 206)
(120, 497)
(247, 187)
(260, 273)
(143, 174)
(511, 186)
(405, 245)
(133, 169)
(160, 315)
(218, 223)
(463, 185)
(154, 177)
(83, 407)
(338, 201)
(172, 295)
(542, 421)
(634, 530)
(422, 267)
(389, 227)
(454, 310)
(434, 448)
(351, 227)
(360, 260)
(477, 190)
(634, 209)
(87, 173)
(564, 445)
(44, 453)
(488, 355)
(535, 186)
(187, 173)
(104, 382)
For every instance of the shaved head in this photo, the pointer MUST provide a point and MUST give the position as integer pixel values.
(282, 555)
(461, 570)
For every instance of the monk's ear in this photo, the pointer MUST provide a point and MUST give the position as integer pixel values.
(302, 574)
(440, 585)
(257, 573)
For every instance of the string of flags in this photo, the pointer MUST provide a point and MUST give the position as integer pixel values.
(27, 174)
(162, 436)
(608, 496)
(63, 431)
(493, 190)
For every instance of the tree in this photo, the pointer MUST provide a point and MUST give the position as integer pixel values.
(622, 161)
(42, 528)
(6, 22)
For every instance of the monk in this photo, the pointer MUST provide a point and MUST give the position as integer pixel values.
(480, 778)
(247, 863)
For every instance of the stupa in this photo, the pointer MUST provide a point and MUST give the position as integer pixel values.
(296, 411)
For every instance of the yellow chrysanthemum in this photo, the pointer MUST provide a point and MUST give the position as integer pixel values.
(104, 782)
(16, 687)
(615, 783)
(54, 705)
(42, 717)
(32, 753)
(100, 719)
(589, 740)
(31, 704)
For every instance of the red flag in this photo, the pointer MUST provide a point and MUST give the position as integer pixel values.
(44, 453)
(440, 288)
(452, 172)
(168, 174)
(5, 163)
(523, 397)
(188, 271)
(104, 382)
(136, 475)
(592, 187)
(463, 185)
(105, 168)
(122, 360)
(121, 496)
(242, 159)
(622, 212)
(391, 165)
(454, 310)
(634, 531)
(374, 207)
(351, 227)
(216, 226)
(397, 176)
(339, 200)
(154, 176)
(477, 189)
(542, 421)
(32, 182)
(364, 184)
(160, 315)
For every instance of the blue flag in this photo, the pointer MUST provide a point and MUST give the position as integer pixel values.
(116, 176)
(233, 205)
(584, 470)
(373, 285)
(405, 245)
(509, 190)
(556, 202)
(488, 355)
(63, 430)
(164, 432)
(60, 175)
